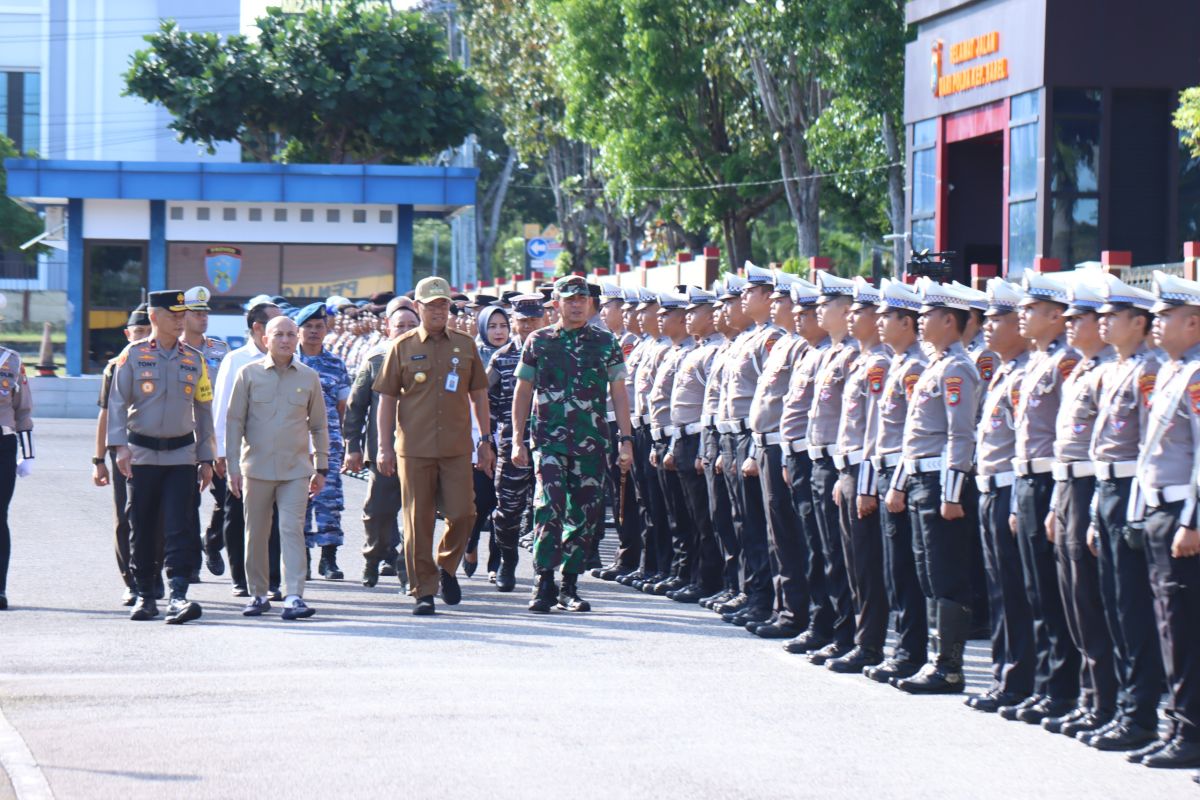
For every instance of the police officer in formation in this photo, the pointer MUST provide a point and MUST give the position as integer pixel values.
(834, 471)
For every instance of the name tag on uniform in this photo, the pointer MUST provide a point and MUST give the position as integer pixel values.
(452, 382)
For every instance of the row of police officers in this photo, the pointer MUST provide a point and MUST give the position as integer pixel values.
(814, 460)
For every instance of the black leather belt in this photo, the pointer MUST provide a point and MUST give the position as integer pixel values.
(154, 443)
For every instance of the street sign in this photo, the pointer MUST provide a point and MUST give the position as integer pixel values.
(536, 248)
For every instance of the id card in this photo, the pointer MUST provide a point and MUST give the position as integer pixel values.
(452, 382)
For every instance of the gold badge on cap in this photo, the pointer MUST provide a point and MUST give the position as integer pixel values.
(419, 377)
(179, 299)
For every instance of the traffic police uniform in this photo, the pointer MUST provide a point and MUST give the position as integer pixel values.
(1167, 492)
(937, 458)
(1013, 654)
(862, 541)
(985, 362)
(16, 432)
(808, 562)
(625, 511)
(1057, 677)
(885, 420)
(824, 418)
(673, 548)
(161, 408)
(783, 527)
(741, 376)
(703, 565)
(1126, 388)
(1074, 487)
(213, 350)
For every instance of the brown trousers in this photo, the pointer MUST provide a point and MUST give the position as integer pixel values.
(259, 500)
(427, 484)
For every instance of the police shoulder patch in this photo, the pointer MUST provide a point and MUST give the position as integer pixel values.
(1067, 366)
(986, 367)
(1146, 388)
(875, 377)
(910, 381)
(953, 390)
(1194, 395)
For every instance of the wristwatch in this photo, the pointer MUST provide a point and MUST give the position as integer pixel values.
(97, 461)
(621, 439)
(323, 472)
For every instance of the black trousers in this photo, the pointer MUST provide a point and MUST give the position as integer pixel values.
(214, 535)
(837, 582)
(1128, 605)
(900, 580)
(8, 482)
(122, 530)
(160, 506)
(749, 520)
(862, 547)
(673, 547)
(980, 612)
(1176, 586)
(703, 565)
(1013, 653)
(941, 547)
(1057, 673)
(721, 509)
(810, 554)
(485, 504)
(514, 494)
(650, 501)
(235, 542)
(786, 539)
(629, 521)
(1079, 588)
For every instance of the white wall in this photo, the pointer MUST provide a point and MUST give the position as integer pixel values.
(319, 231)
(116, 219)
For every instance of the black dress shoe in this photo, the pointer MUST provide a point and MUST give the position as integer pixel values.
(182, 610)
(1086, 736)
(1046, 708)
(855, 661)
(1011, 712)
(754, 624)
(1090, 721)
(688, 594)
(370, 574)
(751, 614)
(613, 573)
(828, 653)
(806, 642)
(297, 611)
(1179, 754)
(239, 590)
(144, 609)
(256, 607)
(992, 702)
(130, 597)
(275, 594)
(3, 602)
(424, 606)
(629, 577)
(732, 605)
(214, 562)
(713, 599)
(931, 679)
(469, 567)
(451, 591)
(387, 570)
(1125, 736)
(662, 587)
(1055, 724)
(776, 630)
(892, 668)
(506, 576)
(1153, 747)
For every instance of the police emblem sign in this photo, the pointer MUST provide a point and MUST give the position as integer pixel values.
(222, 265)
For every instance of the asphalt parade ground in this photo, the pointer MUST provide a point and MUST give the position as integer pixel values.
(642, 697)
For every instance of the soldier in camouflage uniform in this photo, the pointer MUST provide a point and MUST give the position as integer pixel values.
(514, 484)
(323, 519)
(570, 370)
(195, 326)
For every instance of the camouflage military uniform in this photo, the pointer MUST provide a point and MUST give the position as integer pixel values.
(514, 485)
(323, 519)
(570, 371)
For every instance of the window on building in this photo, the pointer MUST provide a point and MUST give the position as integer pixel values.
(1075, 176)
(177, 212)
(256, 215)
(1022, 236)
(1022, 161)
(1024, 138)
(924, 184)
(1024, 107)
(333, 215)
(281, 215)
(306, 215)
(20, 109)
(360, 215)
(202, 213)
(385, 217)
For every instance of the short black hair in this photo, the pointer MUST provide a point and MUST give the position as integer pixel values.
(904, 313)
(258, 314)
(961, 315)
(1145, 316)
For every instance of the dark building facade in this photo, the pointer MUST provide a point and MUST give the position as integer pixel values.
(1043, 128)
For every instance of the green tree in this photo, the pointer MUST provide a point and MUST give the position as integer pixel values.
(1187, 119)
(353, 82)
(17, 223)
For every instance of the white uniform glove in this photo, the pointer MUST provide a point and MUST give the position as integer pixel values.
(25, 468)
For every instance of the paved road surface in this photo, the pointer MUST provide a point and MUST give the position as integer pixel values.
(642, 698)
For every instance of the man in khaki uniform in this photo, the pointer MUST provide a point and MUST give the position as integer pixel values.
(276, 410)
(431, 378)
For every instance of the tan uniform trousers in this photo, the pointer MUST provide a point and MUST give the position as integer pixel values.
(427, 484)
(292, 499)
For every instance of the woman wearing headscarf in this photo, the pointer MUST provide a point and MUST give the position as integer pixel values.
(494, 332)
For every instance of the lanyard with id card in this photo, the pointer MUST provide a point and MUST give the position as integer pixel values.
(452, 378)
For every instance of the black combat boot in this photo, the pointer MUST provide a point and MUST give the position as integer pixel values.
(328, 566)
(544, 593)
(568, 596)
(144, 606)
(944, 675)
(180, 609)
(506, 575)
